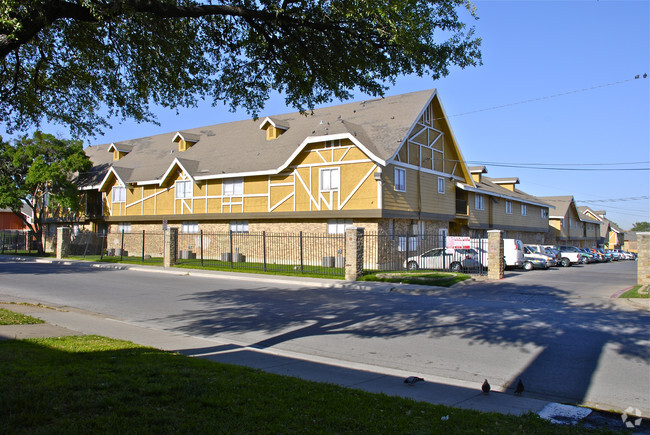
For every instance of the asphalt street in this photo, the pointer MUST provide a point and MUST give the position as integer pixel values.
(558, 330)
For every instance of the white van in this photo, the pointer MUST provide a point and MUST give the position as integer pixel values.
(513, 251)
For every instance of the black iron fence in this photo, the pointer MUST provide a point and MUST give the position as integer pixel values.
(144, 246)
(383, 252)
(292, 253)
(304, 253)
(16, 241)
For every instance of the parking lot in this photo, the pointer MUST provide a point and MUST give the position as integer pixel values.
(599, 280)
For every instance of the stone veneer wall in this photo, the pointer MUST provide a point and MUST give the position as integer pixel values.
(643, 261)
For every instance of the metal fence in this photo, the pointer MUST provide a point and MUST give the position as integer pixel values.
(383, 252)
(304, 253)
(144, 246)
(16, 241)
(292, 253)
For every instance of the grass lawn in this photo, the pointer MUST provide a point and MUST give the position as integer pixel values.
(11, 318)
(637, 291)
(93, 384)
(440, 279)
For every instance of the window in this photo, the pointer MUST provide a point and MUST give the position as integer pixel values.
(478, 202)
(329, 179)
(544, 213)
(233, 187)
(412, 243)
(190, 227)
(441, 185)
(124, 227)
(239, 226)
(400, 180)
(119, 194)
(183, 189)
(337, 226)
(524, 210)
(508, 207)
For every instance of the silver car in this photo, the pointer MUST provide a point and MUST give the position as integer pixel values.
(455, 260)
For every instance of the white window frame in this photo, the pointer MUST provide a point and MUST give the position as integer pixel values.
(479, 201)
(508, 207)
(119, 194)
(441, 185)
(412, 243)
(330, 179)
(337, 226)
(233, 187)
(124, 226)
(183, 189)
(190, 227)
(400, 180)
(524, 210)
(544, 213)
(240, 226)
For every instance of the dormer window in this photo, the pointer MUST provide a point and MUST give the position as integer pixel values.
(185, 140)
(119, 150)
(273, 128)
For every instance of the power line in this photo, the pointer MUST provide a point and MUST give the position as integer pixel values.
(633, 198)
(547, 97)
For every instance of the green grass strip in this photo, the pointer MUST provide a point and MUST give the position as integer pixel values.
(94, 384)
(8, 317)
(637, 292)
(439, 279)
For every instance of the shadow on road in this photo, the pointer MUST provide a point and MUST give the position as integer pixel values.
(572, 336)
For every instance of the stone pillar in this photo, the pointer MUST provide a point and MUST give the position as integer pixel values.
(495, 254)
(62, 242)
(353, 253)
(170, 248)
(643, 261)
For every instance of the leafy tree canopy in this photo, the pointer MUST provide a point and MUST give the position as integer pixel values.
(39, 171)
(80, 62)
(641, 226)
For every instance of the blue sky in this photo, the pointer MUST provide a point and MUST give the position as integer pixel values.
(531, 50)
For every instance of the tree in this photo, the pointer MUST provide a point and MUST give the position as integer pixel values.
(80, 62)
(641, 227)
(39, 172)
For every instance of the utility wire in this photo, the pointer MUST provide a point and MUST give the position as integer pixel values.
(633, 198)
(532, 100)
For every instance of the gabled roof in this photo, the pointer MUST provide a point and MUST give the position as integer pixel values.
(487, 186)
(600, 216)
(561, 203)
(379, 126)
(188, 137)
(121, 147)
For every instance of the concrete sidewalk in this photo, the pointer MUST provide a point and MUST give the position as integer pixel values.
(62, 321)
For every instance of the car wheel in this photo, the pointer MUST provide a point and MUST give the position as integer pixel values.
(566, 262)
(456, 267)
(412, 265)
(528, 265)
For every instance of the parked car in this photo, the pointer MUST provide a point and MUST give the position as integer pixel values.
(587, 256)
(534, 260)
(554, 254)
(444, 259)
(570, 255)
(605, 255)
(531, 253)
